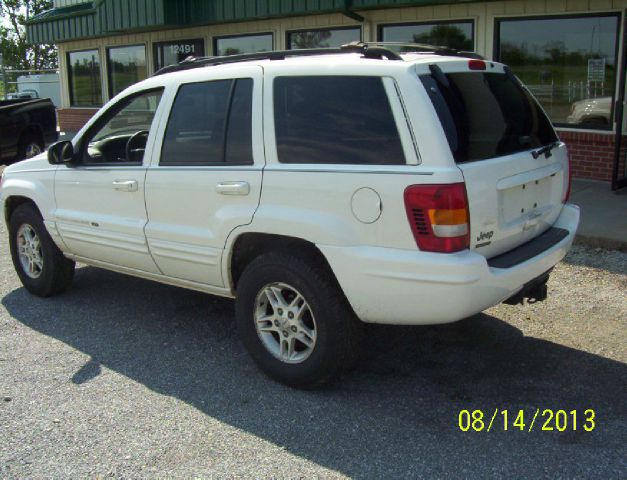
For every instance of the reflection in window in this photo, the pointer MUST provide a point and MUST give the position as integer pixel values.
(127, 65)
(569, 64)
(84, 79)
(458, 35)
(170, 53)
(243, 44)
(322, 38)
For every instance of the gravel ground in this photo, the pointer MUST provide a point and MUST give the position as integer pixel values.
(123, 377)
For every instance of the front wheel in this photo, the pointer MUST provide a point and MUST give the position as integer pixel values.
(295, 321)
(42, 268)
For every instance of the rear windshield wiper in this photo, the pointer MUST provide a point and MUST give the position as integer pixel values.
(546, 150)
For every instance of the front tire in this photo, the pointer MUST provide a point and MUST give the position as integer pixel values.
(295, 321)
(42, 268)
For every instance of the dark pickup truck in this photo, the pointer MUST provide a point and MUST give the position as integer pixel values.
(26, 127)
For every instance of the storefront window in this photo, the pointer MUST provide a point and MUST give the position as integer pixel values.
(243, 44)
(127, 65)
(170, 53)
(322, 38)
(458, 35)
(568, 63)
(84, 78)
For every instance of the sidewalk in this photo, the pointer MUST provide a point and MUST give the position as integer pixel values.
(603, 214)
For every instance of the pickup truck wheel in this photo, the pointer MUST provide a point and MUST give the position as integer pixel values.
(29, 147)
(295, 321)
(42, 268)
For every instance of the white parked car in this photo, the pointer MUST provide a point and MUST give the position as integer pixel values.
(320, 189)
(591, 111)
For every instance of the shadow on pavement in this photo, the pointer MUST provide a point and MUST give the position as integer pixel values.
(396, 415)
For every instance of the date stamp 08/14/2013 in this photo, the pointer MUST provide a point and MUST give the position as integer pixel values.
(547, 420)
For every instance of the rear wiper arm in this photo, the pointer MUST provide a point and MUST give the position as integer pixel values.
(546, 150)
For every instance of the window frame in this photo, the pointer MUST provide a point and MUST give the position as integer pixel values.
(323, 29)
(223, 163)
(107, 115)
(115, 47)
(156, 45)
(496, 55)
(472, 21)
(69, 77)
(214, 40)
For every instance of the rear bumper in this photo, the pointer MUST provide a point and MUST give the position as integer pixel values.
(408, 287)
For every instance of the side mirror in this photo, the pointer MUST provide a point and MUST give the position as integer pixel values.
(61, 153)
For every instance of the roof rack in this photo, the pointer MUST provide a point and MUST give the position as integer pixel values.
(402, 47)
(374, 50)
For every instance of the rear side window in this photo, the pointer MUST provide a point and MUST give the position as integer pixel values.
(335, 120)
(210, 123)
(487, 115)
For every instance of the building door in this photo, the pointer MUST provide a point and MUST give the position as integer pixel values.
(619, 173)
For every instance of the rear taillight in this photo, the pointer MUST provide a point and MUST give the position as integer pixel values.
(568, 180)
(438, 216)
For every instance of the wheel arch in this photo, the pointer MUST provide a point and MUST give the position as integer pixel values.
(32, 130)
(36, 188)
(13, 202)
(249, 245)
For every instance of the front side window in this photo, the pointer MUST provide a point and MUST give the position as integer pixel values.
(127, 65)
(170, 53)
(84, 78)
(210, 123)
(243, 44)
(455, 34)
(120, 136)
(322, 38)
(568, 63)
(335, 119)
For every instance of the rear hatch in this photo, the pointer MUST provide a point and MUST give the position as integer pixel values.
(514, 167)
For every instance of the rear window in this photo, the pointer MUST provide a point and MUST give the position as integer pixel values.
(335, 120)
(487, 115)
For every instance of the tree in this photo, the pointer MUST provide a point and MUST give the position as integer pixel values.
(316, 39)
(18, 54)
(445, 35)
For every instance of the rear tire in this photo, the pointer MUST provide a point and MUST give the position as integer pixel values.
(285, 302)
(30, 145)
(42, 268)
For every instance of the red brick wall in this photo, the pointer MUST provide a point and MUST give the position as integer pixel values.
(73, 119)
(591, 154)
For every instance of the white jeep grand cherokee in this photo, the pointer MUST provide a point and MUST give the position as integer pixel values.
(320, 189)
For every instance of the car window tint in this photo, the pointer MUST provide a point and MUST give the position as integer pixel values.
(239, 131)
(487, 115)
(335, 120)
(131, 118)
(195, 131)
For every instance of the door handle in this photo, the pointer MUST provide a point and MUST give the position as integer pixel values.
(125, 185)
(233, 188)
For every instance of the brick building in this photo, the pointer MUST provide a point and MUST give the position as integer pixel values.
(571, 53)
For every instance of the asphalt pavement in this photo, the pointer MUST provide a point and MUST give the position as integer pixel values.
(122, 377)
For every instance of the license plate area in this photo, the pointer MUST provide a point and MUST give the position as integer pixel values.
(525, 201)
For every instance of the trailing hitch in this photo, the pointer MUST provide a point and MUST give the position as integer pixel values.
(534, 291)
